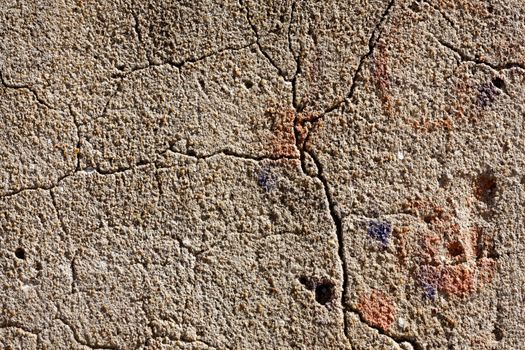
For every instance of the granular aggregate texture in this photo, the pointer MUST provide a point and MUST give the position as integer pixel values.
(242, 174)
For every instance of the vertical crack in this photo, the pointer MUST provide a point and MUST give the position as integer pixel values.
(336, 217)
(77, 146)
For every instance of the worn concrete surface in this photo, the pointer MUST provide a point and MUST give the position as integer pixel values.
(262, 174)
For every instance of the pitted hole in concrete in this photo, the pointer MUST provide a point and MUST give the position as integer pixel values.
(308, 282)
(455, 249)
(324, 289)
(20, 253)
(498, 333)
(324, 292)
(486, 187)
(202, 83)
(247, 83)
(415, 6)
(499, 83)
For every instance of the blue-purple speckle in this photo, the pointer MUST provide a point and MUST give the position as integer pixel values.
(266, 179)
(380, 231)
(429, 291)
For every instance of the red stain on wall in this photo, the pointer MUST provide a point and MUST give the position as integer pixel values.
(377, 309)
(453, 260)
(457, 280)
(282, 143)
(381, 76)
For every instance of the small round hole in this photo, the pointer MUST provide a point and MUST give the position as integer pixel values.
(248, 83)
(324, 292)
(499, 83)
(20, 253)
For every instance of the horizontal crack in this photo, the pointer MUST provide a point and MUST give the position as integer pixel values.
(467, 58)
(8, 324)
(227, 153)
(182, 63)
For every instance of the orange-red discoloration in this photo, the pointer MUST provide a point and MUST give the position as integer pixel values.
(486, 270)
(429, 125)
(283, 140)
(302, 127)
(455, 261)
(377, 309)
(382, 77)
(457, 280)
(430, 248)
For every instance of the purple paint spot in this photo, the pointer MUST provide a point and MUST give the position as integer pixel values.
(380, 231)
(266, 179)
(429, 277)
(429, 291)
(487, 94)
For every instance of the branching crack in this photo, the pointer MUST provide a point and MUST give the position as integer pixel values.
(182, 63)
(119, 170)
(8, 324)
(28, 88)
(258, 41)
(301, 142)
(151, 64)
(80, 341)
(300, 128)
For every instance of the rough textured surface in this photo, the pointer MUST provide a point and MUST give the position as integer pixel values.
(262, 174)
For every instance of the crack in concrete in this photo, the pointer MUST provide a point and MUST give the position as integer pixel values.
(138, 32)
(182, 340)
(28, 88)
(8, 324)
(443, 14)
(83, 342)
(258, 41)
(177, 65)
(336, 218)
(299, 125)
(225, 153)
(79, 139)
(230, 153)
(464, 57)
(180, 64)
